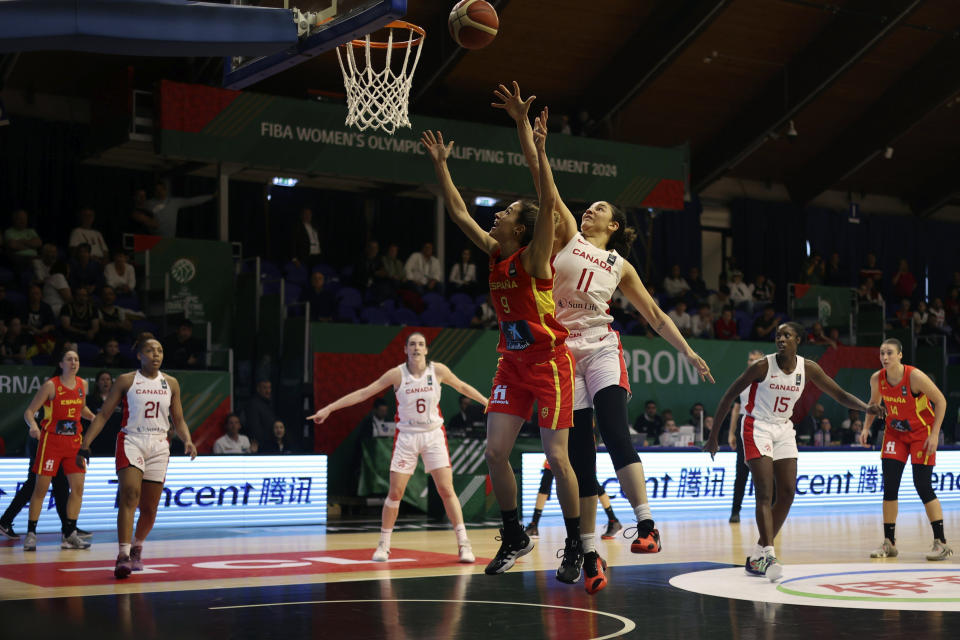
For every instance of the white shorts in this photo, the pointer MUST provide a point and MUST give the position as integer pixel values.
(431, 445)
(771, 439)
(600, 363)
(148, 452)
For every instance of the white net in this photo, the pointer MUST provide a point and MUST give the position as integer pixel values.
(380, 99)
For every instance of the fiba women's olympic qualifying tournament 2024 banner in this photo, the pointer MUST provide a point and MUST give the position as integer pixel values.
(206, 401)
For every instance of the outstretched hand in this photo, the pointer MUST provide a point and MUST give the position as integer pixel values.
(320, 415)
(433, 143)
(540, 129)
(877, 410)
(511, 102)
(701, 366)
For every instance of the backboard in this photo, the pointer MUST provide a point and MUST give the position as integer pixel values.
(323, 25)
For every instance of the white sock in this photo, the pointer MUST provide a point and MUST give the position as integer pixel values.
(137, 542)
(642, 511)
(385, 537)
(461, 531)
(768, 551)
(757, 551)
(589, 542)
(125, 548)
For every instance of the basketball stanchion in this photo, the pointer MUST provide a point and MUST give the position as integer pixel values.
(380, 99)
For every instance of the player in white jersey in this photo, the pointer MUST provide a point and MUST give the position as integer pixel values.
(590, 264)
(151, 399)
(420, 433)
(775, 384)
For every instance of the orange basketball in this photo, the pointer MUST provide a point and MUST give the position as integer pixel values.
(473, 23)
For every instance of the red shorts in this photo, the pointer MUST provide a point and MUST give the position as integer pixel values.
(906, 446)
(54, 450)
(519, 381)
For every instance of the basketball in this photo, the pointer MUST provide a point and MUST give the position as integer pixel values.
(473, 23)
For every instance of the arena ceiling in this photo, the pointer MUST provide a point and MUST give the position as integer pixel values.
(859, 96)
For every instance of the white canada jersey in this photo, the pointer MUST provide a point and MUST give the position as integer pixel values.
(146, 406)
(585, 280)
(418, 401)
(772, 399)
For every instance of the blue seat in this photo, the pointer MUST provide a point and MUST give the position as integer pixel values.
(431, 299)
(346, 313)
(271, 287)
(374, 315)
(350, 297)
(296, 274)
(461, 318)
(291, 293)
(435, 317)
(269, 270)
(460, 300)
(404, 316)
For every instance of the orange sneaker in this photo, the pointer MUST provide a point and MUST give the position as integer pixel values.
(594, 578)
(647, 544)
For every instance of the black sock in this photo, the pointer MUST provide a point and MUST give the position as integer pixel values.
(69, 526)
(644, 527)
(511, 521)
(889, 531)
(31, 526)
(536, 516)
(611, 516)
(573, 527)
(938, 530)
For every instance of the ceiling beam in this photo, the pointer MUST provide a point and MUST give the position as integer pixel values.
(841, 44)
(663, 36)
(923, 88)
(938, 191)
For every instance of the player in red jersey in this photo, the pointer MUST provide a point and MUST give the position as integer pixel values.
(534, 363)
(63, 399)
(915, 412)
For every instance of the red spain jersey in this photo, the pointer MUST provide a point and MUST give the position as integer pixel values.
(524, 306)
(61, 415)
(906, 411)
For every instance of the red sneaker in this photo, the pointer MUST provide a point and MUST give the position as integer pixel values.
(647, 544)
(594, 578)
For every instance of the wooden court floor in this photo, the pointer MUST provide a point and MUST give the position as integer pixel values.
(308, 582)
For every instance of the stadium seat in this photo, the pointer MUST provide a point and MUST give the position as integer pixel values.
(291, 293)
(435, 317)
(295, 273)
(431, 299)
(404, 316)
(350, 297)
(374, 315)
(346, 313)
(462, 317)
(460, 300)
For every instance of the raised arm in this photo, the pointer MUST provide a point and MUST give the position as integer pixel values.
(518, 109)
(633, 289)
(874, 399)
(756, 371)
(449, 378)
(829, 386)
(438, 152)
(389, 379)
(536, 259)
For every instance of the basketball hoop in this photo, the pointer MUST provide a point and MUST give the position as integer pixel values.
(380, 99)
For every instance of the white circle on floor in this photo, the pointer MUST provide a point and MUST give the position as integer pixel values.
(919, 587)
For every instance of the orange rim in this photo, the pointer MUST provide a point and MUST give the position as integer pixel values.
(396, 24)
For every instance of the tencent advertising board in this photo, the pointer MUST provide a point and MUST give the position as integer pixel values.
(691, 480)
(211, 491)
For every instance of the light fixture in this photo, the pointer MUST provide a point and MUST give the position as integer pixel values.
(792, 130)
(485, 201)
(888, 153)
(285, 182)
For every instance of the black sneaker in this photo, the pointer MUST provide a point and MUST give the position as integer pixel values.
(8, 532)
(511, 548)
(734, 517)
(612, 527)
(572, 554)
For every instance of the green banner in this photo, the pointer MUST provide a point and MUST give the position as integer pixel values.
(206, 395)
(217, 125)
(200, 276)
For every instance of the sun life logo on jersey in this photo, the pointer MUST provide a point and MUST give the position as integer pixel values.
(183, 271)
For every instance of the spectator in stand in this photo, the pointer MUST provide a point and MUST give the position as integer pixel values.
(115, 322)
(463, 275)
(41, 264)
(233, 442)
(84, 270)
(643, 328)
(13, 348)
(870, 269)
(921, 318)
(814, 271)
(38, 320)
(181, 349)
(868, 292)
(305, 241)
(20, 240)
(110, 355)
(763, 290)
(697, 287)
(834, 275)
(86, 234)
(166, 210)
(485, 316)
(834, 336)
(323, 304)
(369, 267)
(276, 444)
(56, 288)
(393, 266)
(818, 336)
(938, 318)
(681, 318)
(8, 310)
(424, 271)
(822, 436)
(670, 435)
(852, 415)
(259, 415)
(741, 293)
(702, 323)
(142, 216)
(79, 320)
(809, 425)
(466, 419)
(674, 285)
(903, 281)
(726, 327)
(720, 300)
(904, 314)
(106, 443)
(119, 274)
(765, 327)
(377, 423)
(696, 416)
(851, 437)
(649, 424)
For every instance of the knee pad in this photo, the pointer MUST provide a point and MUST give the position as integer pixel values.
(546, 481)
(393, 504)
(923, 482)
(892, 474)
(611, 406)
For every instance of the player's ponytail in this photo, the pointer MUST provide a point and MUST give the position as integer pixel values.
(529, 210)
(623, 238)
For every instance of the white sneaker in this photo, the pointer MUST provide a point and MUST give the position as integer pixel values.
(74, 541)
(466, 554)
(382, 554)
(30, 542)
(774, 569)
(939, 551)
(885, 550)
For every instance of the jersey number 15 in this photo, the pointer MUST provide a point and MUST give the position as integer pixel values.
(781, 404)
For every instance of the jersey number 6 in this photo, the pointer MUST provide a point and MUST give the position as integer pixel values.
(421, 405)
